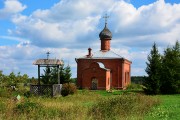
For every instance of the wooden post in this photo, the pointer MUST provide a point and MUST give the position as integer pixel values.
(59, 80)
(38, 74)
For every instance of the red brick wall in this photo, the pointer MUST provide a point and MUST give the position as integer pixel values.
(118, 68)
(126, 73)
(105, 44)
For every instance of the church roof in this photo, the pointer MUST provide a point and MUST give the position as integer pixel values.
(105, 33)
(106, 54)
(103, 55)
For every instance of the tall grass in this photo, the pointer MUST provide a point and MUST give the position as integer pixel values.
(84, 105)
(122, 107)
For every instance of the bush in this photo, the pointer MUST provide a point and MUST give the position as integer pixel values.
(2, 92)
(5, 92)
(68, 88)
(21, 91)
(27, 94)
(133, 86)
(26, 107)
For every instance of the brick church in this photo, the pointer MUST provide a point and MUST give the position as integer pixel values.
(103, 69)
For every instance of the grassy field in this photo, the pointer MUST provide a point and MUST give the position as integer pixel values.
(169, 109)
(90, 105)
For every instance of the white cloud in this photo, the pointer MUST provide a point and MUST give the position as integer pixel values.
(69, 27)
(65, 22)
(157, 22)
(20, 58)
(71, 10)
(11, 7)
(42, 33)
(76, 21)
(13, 38)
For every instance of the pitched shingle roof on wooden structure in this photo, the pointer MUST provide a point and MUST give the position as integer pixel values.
(48, 62)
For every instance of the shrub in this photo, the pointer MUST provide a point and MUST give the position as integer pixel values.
(133, 86)
(26, 107)
(21, 91)
(27, 94)
(5, 92)
(2, 92)
(68, 88)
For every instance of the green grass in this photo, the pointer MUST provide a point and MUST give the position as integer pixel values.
(169, 109)
(89, 105)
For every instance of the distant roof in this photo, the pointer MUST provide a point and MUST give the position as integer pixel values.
(103, 55)
(48, 62)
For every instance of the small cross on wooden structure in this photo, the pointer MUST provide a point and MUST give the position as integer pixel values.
(48, 54)
(106, 17)
(45, 89)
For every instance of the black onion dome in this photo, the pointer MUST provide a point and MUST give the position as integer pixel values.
(105, 33)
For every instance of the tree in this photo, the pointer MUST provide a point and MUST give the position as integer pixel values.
(1, 78)
(51, 75)
(170, 78)
(67, 72)
(62, 74)
(21, 78)
(12, 80)
(153, 69)
(54, 75)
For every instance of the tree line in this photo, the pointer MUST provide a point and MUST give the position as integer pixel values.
(138, 79)
(50, 76)
(163, 71)
(12, 79)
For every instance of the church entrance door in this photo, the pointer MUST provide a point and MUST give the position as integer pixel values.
(94, 84)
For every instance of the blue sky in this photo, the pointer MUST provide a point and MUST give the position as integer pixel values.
(66, 28)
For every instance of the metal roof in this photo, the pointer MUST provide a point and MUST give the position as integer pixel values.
(48, 62)
(105, 33)
(104, 55)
